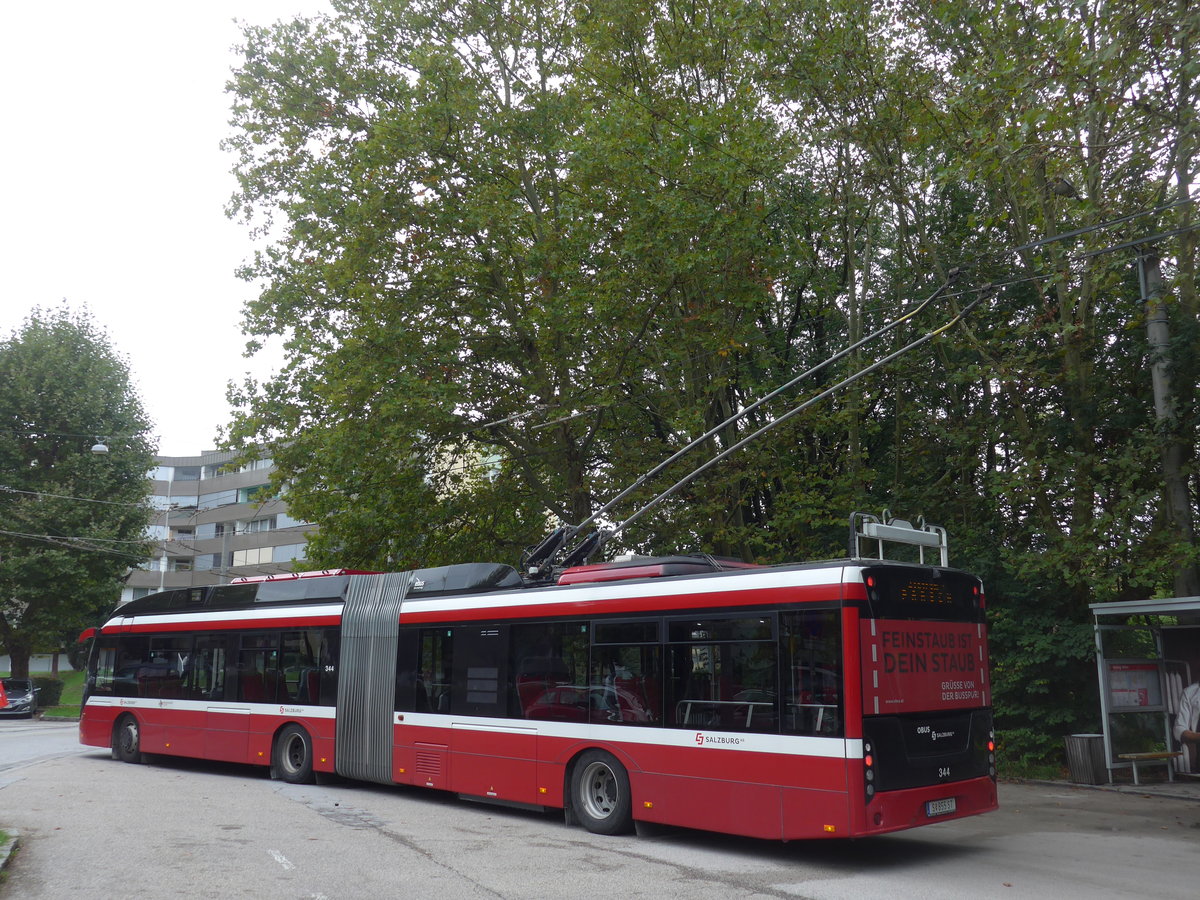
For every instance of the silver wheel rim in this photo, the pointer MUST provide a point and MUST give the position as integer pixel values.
(600, 790)
(294, 753)
(129, 737)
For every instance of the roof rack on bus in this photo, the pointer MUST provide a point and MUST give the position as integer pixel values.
(890, 530)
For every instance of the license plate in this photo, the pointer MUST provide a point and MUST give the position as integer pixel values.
(940, 807)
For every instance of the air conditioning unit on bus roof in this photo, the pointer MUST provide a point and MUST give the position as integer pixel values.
(630, 567)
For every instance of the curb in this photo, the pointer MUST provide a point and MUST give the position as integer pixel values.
(1178, 790)
(9, 848)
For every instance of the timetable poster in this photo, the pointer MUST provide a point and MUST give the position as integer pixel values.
(1134, 685)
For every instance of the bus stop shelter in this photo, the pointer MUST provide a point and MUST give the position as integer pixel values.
(1147, 656)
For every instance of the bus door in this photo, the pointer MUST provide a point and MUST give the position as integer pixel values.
(488, 758)
(163, 674)
(227, 723)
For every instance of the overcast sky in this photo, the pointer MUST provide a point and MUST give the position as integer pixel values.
(114, 188)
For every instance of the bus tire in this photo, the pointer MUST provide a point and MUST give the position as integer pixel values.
(292, 759)
(600, 795)
(127, 740)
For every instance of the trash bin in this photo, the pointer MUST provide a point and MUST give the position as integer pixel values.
(1085, 758)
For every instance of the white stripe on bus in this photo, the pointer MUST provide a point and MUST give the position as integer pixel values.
(752, 742)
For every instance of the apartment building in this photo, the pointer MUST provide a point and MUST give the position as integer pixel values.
(216, 520)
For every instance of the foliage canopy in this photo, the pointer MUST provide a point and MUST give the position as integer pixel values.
(521, 252)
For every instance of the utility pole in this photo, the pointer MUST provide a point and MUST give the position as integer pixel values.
(1174, 453)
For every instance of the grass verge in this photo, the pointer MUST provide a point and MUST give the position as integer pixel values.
(72, 697)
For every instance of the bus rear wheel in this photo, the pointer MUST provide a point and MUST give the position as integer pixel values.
(600, 794)
(127, 740)
(293, 757)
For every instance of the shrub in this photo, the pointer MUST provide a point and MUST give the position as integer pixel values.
(51, 690)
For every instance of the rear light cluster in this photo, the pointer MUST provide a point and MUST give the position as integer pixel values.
(869, 770)
(980, 599)
(992, 754)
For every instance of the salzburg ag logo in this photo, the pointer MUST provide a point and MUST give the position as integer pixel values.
(718, 740)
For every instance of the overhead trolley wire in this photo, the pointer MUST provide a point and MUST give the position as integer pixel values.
(1100, 226)
(546, 553)
(747, 410)
(794, 411)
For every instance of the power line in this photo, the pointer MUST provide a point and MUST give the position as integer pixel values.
(90, 435)
(83, 544)
(12, 490)
(64, 537)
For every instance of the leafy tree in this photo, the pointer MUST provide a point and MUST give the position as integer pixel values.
(1048, 105)
(512, 237)
(71, 522)
(524, 252)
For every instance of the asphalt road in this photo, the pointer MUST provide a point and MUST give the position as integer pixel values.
(24, 742)
(92, 827)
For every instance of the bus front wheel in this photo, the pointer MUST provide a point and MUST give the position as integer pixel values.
(293, 757)
(127, 740)
(600, 794)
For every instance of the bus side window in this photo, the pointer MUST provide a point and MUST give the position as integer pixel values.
(103, 677)
(435, 664)
(170, 666)
(625, 685)
(411, 692)
(723, 673)
(548, 662)
(300, 677)
(811, 647)
(326, 689)
(480, 687)
(207, 679)
(133, 654)
(258, 674)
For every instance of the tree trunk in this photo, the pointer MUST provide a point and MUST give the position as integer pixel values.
(18, 655)
(1174, 452)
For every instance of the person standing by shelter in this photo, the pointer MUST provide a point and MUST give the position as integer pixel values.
(1187, 726)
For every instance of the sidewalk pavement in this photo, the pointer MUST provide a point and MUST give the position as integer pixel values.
(1182, 788)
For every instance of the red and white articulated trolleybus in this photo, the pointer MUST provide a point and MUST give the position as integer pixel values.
(832, 699)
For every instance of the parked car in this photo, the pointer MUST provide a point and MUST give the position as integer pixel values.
(22, 698)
